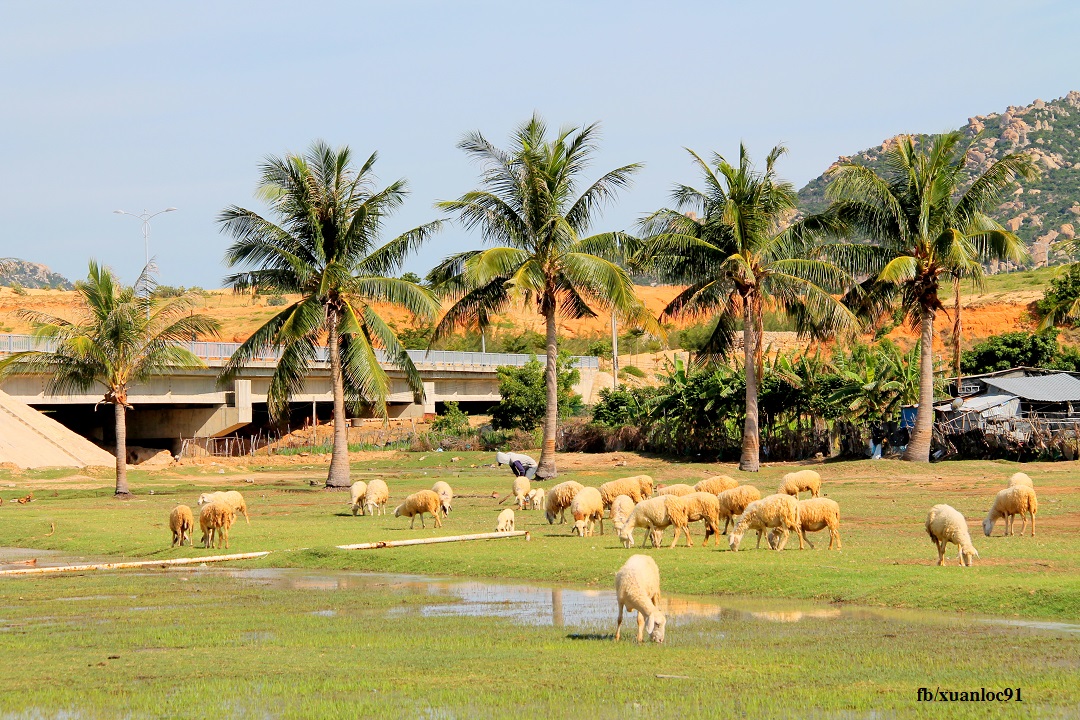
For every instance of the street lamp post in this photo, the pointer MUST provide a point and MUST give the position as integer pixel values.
(145, 217)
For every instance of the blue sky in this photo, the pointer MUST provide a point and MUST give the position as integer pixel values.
(146, 105)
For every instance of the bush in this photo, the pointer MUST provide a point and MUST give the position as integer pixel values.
(17, 288)
(276, 300)
(524, 394)
(1059, 298)
(632, 370)
(453, 420)
(168, 291)
(1009, 350)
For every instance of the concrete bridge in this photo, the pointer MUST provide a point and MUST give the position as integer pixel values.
(191, 403)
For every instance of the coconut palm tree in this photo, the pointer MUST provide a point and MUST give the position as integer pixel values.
(734, 245)
(125, 337)
(323, 246)
(926, 220)
(529, 208)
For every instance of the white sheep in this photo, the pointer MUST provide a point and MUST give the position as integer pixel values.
(733, 502)
(795, 482)
(814, 514)
(232, 498)
(703, 506)
(637, 587)
(558, 498)
(356, 495)
(778, 510)
(655, 515)
(535, 499)
(182, 523)
(505, 522)
(376, 496)
(446, 495)
(587, 507)
(944, 525)
(1020, 479)
(1010, 502)
(621, 507)
(716, 484)
(518, 491)
(678, 490)
(638, 487)
(424, 501)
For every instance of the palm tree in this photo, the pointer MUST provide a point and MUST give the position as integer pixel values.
(126, 336)
(734, 245)
(323, 246)
(926, 221)
(529, 209)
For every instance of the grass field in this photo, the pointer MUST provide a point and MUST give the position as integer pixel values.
(198, 642)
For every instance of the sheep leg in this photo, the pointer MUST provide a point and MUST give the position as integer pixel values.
(1033, 523)
(802, 532)
(798, 530)
(834, 534)
(940, 553)
(783, 540)
(601, 523)
(640, 627)
(618, 625)
(412, 522)
(1023, 523)
(759, 539)
(422, 525)
(225, 532)
(438, 520)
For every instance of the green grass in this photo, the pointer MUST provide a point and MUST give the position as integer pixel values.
(1037, 279)
(195, 644)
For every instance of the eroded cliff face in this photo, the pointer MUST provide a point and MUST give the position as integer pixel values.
(1043, 212)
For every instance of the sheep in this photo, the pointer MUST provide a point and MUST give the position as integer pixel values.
(1010, 502)
(446, 495)
(678, 490)
(944, 525)
(621, 507)
(558, 498)
(356, 492)
(796, 482)
(505, 521)
(716, 484)
(814, 514)
(637, 487)
(587, 507)
(181, 522)
(376, 496)
(733, 502)
(535, 499)
(1020, 479)
(703, 506)
(656, 514)
(215, 519)
(519, 491)
(231, 497)
(777, 510)
(637, 587)
(424, 501)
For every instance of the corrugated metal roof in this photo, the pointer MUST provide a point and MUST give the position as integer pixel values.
(1047, 388)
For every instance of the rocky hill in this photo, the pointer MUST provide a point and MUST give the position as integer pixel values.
(31, 275)
(1041, 212)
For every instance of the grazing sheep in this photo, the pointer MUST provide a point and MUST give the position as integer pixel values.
(519, 491)
(446, 495)
(621, 507)
(1020, 479)
(558, 498)
(779, 511)
(703, 506)
(356, 493)
(424, 501)
(637, 587)
(535, 499)
(716, 484)
(1010, 502)
(678, 490)
(944, 525)
(796, 482)
(656, 514)
(505, 521)
(814, 514)
(733, 502)
(232, 498)
(375, 498)
(634, 486)
(587, 507)
(182, 523)
(215, 519)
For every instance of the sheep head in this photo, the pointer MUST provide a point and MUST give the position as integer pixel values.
(988, 524)
(968, 555)
(397, 510)
(626, 534)
(654, 625)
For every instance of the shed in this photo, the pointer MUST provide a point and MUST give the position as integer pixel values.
(1051, 395)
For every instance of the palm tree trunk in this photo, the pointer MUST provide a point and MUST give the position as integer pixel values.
(957, 334)
(751, 442)
(918, 449)
(551, 379)
(121, 449)
(339, 459)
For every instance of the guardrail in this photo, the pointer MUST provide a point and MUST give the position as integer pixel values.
(222, 351)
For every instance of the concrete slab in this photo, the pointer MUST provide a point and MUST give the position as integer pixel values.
(30, 439)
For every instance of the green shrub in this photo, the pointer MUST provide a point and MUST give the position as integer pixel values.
(17, 288)
(276, 300)
(453, 420)
(631, 370)
(524, 394)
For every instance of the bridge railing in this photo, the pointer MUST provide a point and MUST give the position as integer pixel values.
(222, 351)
